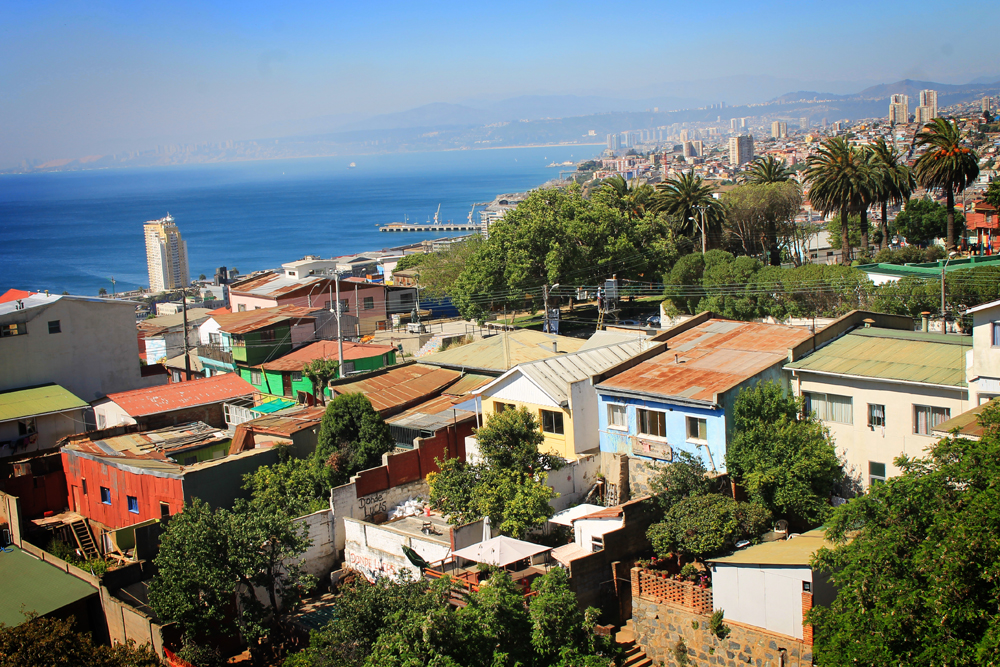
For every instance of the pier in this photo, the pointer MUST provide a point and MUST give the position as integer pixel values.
(429, 227)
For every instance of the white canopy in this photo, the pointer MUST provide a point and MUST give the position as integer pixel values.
(500, 551)
(567, 516)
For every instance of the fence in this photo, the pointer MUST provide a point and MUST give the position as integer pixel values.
(663, 588)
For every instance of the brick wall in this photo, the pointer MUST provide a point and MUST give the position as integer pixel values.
(660, 626)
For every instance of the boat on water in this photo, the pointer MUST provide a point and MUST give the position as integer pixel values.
(351, 166)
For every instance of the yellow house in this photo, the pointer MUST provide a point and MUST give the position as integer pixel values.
(559, 393)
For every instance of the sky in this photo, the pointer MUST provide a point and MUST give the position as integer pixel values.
(80, 78)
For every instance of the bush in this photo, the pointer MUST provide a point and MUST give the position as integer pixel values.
(716, 626)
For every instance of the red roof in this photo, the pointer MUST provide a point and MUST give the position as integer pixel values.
(170, 397)
(225, 310)
(242, 322)
(400, 387)
(325, 349)
(986, 220)
(14, 295)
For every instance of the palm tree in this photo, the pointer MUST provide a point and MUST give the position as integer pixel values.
(632, 198)
(839, 180)
(768, 170)
(687, 198)
(946, 164)
(894, 182)
(763, 171)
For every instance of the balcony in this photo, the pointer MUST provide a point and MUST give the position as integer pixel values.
(215, 353)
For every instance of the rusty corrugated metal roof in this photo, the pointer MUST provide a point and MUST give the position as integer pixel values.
(288, 421)
(253, 320)
(710, 358)
(400, 386)
(178, 395)
(152, 445)
(325, 349)
(890, 354)
(468, 383)
(274, 284)
(503, 351)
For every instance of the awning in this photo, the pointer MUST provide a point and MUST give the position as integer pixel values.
(500, 551)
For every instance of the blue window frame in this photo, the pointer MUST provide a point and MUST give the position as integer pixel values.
(105, 495)
(133, 504)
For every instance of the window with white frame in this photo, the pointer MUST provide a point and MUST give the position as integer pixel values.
(876, 472)
(652, 422)
(876, 415)
(830, 407)
(697, 429)
(255, 377)
(995, 334)
(617, 416)
(927, 417)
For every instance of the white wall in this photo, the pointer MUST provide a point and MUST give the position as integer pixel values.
(764, 597)
(583, 408)
(50, 428)
(985, 357)
(585, 530)
(574, 481)
(347, 504)
(112, 414)
(377, 551)
(517, 387)
(321, 555)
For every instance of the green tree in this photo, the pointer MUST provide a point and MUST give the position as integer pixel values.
(53, 642)
(411, 261)
(352, 435)
(856, 232)
(102, 292)
(915, 562)
(296, 486)
(320, 372)
(686, 198)
(631, 199)
(785, 460)
(839, 181)
(992, 195)
(759, 214)
(921, 221)
(770, 170)
(946, 164)
(682, 478)
(708, 525)
(894, 182)
(683, 285)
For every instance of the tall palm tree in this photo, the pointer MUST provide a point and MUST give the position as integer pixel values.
(688, 199)
(631, 197)
(839, 180)
(946, 165)
(893, 179)
(763, 171)
(768, 170)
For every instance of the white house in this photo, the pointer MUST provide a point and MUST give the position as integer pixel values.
(984, 366)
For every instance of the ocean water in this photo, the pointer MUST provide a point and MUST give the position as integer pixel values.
(74, 231)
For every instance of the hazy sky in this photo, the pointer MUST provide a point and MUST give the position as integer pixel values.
(93, 77)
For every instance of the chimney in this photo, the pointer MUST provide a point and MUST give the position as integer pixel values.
(925, 321)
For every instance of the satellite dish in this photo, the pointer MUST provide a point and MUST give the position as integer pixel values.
(742, 544)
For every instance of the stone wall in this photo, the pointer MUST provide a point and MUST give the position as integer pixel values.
(659, 627)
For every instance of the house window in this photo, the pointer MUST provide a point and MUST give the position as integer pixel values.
(406, 297)
(241, 308)
(345, 306)
(927, 417)
(214, 339)
(876, 472)
(499, 407)
(255, 377)
(830, 407)
(297, 376)
(597, 543)
(995, 338)
(267, 335)
(175, 376)
(133, 504)
(26, 426)
(876, 416)
(83, 485)
(164, 510)
(54, 327)
(552, 422)
(8, 330)
(617, 416)
(369, 303)
(105, 495)
(697, 429)
(652, 422)
(348, 367)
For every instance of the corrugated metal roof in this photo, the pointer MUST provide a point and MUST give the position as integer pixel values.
(32, 585)
(288, 422)
(400, 386)
(602, 338)
(468, 383)
(710, 358)
(168, 397)
(273, 284)
(967, 424)
(178, 362)
(325, 349)
(20, 403)
(889, 354)
(254, 320)
(505, 350)
(798, 550)
(554, 376)
(157, 325)
(36, 300)
(150, 445)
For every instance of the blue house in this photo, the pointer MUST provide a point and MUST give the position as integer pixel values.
(681, 399)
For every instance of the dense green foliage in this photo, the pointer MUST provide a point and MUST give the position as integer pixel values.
(208, 558)
(921, 221)
(410, 261)
(785, 460)
(508, 485)
(946, 165)
(759, 214)
(52, 642)
(320, 372)
(916, 563)
(412, 624)
(854, 232)
(840, 180)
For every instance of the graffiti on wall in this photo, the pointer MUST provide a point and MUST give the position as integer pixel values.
(372, 567)
(372, 504)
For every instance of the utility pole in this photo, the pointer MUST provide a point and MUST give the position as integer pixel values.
(187, 357)
(340, 337)
(701, 210)
(545, 305)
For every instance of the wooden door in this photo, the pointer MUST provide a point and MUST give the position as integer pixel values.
(286, 381)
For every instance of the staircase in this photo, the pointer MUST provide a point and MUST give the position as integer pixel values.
(430, 347)
(84, 539)
(634, 655)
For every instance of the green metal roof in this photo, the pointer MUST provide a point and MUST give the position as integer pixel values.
(925, 269)
(272, 406)
(21, 403)
(890, 354)
(37, 586)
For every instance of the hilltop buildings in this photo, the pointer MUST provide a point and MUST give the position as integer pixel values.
(166, 255)
(899, 109)
(741, 149)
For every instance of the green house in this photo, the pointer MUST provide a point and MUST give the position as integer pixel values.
(284, 376)
(256, 336)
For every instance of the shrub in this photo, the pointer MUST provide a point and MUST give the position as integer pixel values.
(716, 626)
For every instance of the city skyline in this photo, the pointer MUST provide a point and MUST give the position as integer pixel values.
(106, 77)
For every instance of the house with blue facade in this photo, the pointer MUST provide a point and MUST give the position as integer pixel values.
(681, 399)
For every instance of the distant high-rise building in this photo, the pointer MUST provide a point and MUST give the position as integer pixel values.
(899, 109)
(743, 123)
(825, 123)
(734, 124)
(803, 123)
(924, 114)
(166, 255)
(694, 149)
(987, 103)
(779, 129)
(928, 98)
(614, 142)
(684, 136)
(740, 150)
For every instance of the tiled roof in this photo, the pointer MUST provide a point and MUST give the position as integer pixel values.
(503, 351)
(14, 294)
(710, 358)
(891, 354)
(50, 398)
(400, 386)
(242, 322)
(325, 349)
(168, 397)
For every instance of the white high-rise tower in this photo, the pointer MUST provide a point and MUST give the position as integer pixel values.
(166, 255)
